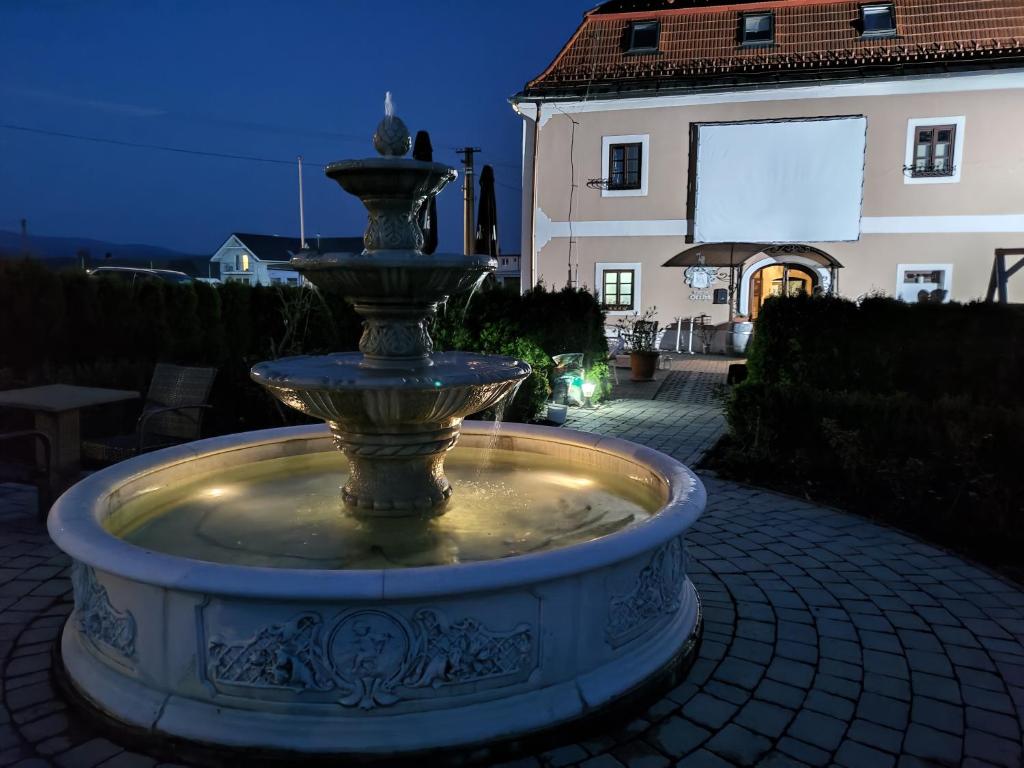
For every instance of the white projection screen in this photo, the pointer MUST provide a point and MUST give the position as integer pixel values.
(787, 181)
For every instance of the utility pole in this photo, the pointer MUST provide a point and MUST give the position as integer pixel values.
(468, 199)
(302, 213)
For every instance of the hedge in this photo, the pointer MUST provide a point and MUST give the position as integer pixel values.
(69, 327)
(911, 414)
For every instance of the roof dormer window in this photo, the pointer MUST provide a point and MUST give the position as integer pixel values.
(878, 20)
(757, 29)
(642, 36)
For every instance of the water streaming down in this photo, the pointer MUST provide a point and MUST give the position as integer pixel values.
(285, 513)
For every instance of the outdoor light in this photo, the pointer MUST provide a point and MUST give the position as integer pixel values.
(574, 392)
(588, 392)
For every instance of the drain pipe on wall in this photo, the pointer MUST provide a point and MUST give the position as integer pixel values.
(533, 202)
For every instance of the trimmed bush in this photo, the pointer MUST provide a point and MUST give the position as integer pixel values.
(907, 413)
(72, 328)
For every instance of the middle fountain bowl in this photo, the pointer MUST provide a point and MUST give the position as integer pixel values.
(395, 408)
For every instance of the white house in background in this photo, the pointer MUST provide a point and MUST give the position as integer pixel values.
(266, 259)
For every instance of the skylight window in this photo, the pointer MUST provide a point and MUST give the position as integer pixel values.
(757, 28)
(642, 36)
(878, 20)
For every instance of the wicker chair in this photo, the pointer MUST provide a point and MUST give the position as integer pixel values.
(172, 414)
(13, 470)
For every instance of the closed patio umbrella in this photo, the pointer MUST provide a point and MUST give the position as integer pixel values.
(487, 217)
(423, 150)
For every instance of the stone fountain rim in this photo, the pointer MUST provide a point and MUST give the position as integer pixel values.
(74, 525)
(311, 261)
(312, 373)
(391, 162)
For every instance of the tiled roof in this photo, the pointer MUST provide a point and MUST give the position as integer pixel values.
(277, 248)
(813, 38)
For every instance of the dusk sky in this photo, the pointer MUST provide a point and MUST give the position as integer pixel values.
(262, 78)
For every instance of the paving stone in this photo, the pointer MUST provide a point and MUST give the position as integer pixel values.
(791, 672)
(601, 761)
(134, 760)
(795, 651)
(739, 672)
(935, 687)
(992, 722)
(932, 663)
(827, 704)
(563, 756)
(994, 749)
(883, 710)
(703, 759)
(848, 689)
(751, 650)
(765, 718)
(27, 664)
(887, 686)
(639, 754)
(33, 713)
(875, 735)
(738, 745)
(820, 730)
(931, 744)
(840, 669)
(802, 751)
(940, 715)
(780, 693)
(678, 736)
(854, 755)
(727, 692)
(708, 711)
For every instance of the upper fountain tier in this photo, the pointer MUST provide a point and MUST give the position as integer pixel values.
(396, 409)
(393, 284)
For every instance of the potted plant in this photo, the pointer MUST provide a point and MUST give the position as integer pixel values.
(640, 332)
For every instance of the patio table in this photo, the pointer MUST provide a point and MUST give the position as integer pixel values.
(55, 410)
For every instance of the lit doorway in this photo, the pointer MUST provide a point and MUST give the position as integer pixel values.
(780, 280)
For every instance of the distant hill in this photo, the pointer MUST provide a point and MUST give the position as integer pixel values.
(63, 252)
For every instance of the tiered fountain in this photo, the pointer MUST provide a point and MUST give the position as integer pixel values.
(225, 595)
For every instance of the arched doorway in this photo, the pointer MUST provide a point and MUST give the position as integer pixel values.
(784, 270)
(780, 280)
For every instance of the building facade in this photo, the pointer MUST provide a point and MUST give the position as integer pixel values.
(265, 259)
(816, 146)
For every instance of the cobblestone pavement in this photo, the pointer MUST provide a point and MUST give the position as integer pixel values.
(829, 640)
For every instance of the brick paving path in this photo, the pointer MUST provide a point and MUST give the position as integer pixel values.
(829, 640)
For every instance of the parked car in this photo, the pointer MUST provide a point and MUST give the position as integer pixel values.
(134, 275)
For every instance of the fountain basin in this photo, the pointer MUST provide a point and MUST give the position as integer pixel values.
(374, 662)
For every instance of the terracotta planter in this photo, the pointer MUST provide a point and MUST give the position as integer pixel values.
(642, 365)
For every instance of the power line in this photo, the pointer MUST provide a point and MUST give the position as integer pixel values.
(162, 147)
(180, 150)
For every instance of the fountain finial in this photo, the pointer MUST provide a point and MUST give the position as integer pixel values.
(392, 136)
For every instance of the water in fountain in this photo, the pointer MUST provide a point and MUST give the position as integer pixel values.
(522, 503)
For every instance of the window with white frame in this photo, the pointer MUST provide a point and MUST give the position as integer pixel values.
(935, 150)
(924, 283)
(618, 286)
(625, 164)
